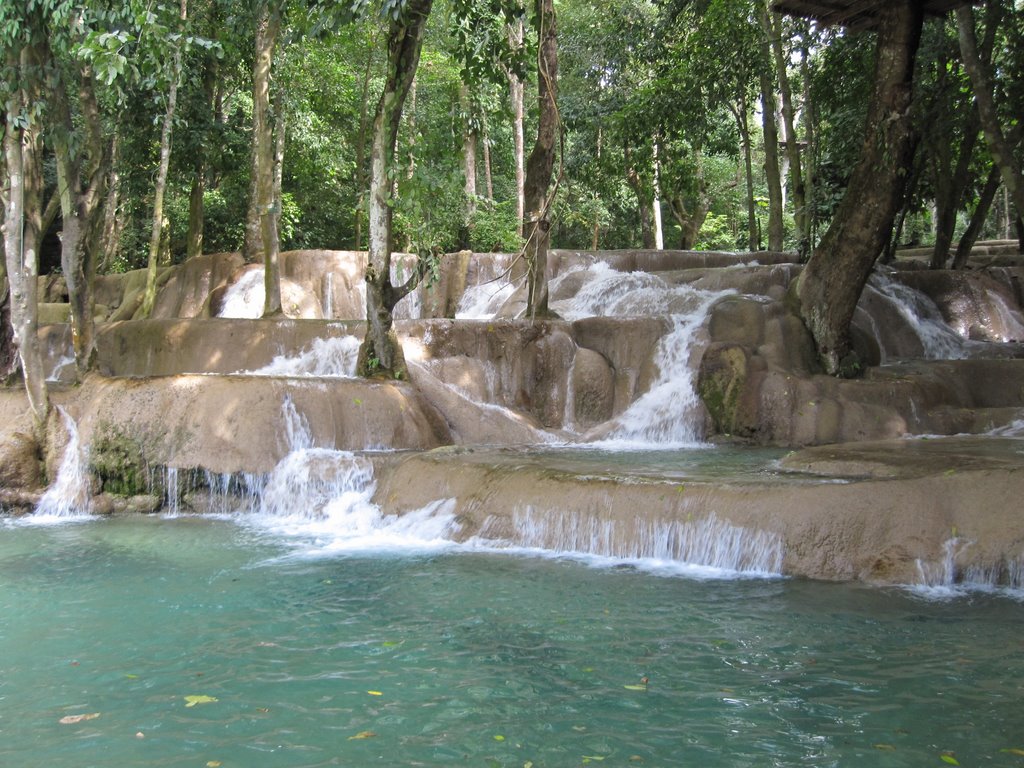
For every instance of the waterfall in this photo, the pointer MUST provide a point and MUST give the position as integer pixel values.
(69, 495)
(328, 292)
(945, 578)
(670, 414)
(482, 302)
(708, 543)
(324, 358)
(938, 340)
(245, 297)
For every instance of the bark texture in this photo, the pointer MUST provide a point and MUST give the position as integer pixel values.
(831, 283)
(380, 354)
(542, 161)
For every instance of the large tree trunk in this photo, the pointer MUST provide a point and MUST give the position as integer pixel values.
(149, 297)
(831, 283)
(380, 353)
(981, 83)
(21, 233)
(542, 161)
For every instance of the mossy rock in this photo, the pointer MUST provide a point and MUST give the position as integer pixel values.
(120, 462)
(723, 376)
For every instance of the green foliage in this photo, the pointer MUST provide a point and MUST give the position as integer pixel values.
(493, 228)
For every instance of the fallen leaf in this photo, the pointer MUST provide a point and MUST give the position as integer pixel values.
(1013, 751)
(884, 747)
(362, 735)
(498, 737)
(390, 644)
(528, 764)
(635, 687)
(72, 719)
(635, 759)
(580, 728)
(132, 677)
(191, 701)
(947, 758)
(589, 758)
(264, 710)
(214, 764)
(375, 693)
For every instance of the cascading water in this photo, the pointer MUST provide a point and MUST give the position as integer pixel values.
(944, 578)
(324, 358)
(670, 413)
(709, 547)
(69, 495)
(938, 340)
(244, 299)
(480, 302)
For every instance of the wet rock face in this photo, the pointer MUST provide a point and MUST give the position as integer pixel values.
(20, 461)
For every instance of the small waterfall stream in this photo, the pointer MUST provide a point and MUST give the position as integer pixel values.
(69, 496)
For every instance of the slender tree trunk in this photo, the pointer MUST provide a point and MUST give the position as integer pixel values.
(468, 167)
(659, 232)
(542, 161)
(596, 228)
(196, 204)
(113, 221)
(364, 111)
(739, 111)
(149, 297)
(809, 167)
(81, 176)
(485, 143)
(982, 85)
(22, 149)
(643, 198)
(796, 181)
(410, 170)
(380, 353)
(970, 235)
(517, 100)
(773, 173)
(831, 283)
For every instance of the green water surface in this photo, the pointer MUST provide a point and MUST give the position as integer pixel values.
(473, 658)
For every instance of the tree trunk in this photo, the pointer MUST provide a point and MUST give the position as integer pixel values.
(485, 143)
(643, 198)
(542, 161)
(809, 166)
(380, 353)
(770, 129)
(516, 97)
(970, 235)
(468, 167)
(830, 285)
(271, 218)
(796, 181)
(740, 113)
(196, 204)
(268, 24)
(21, 233)
(981, 83)
(950, 184)
(361, 179)
(113, 221)
(81, 176)
(149, 297)
(659, 231)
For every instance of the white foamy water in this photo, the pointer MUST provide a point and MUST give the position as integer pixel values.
(944, 579)
(706, 548)
(482, 302)
(938, 340)
(68, 497)
(245, 298)
(324, 358)
(670, 413)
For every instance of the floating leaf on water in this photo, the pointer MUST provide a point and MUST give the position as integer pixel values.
(376, 693)
(72, 719)
(1013, 751)
(191, 701)
(263, 710)
(592, 758)
(132, 677)
(884, 747)
(528, 764)
(635, 759)
(948, 758)
(580, 728)
(635, 687)
(214, 764)
(362, 735)
(390, 644)
(498, 737)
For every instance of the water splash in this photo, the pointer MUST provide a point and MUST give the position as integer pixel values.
(938, 340)
(945, 578)
(245, 298)
(69, 496)
(708, 547)
(325, 358)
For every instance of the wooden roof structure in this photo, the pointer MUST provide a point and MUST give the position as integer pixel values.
(854, 14)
